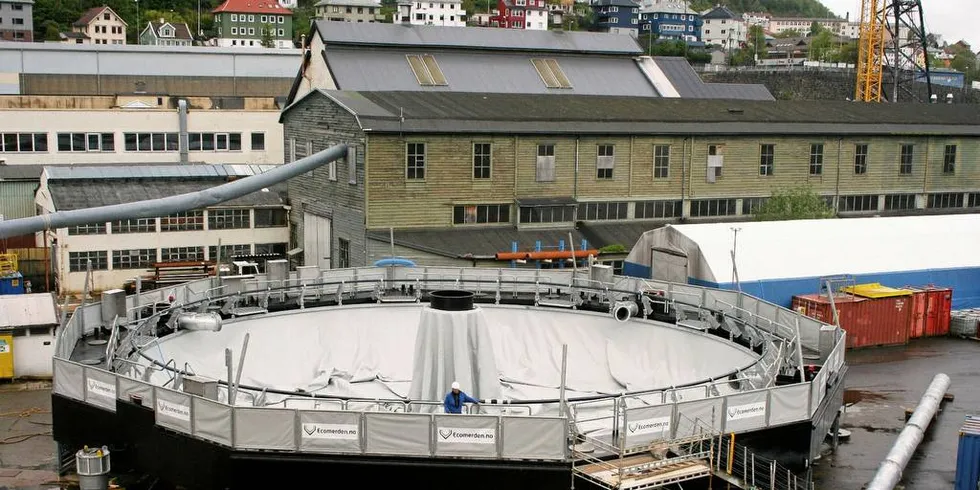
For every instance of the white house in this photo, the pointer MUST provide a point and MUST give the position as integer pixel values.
(119, 251)
(724, 28)
(448, 13)
(138, 128)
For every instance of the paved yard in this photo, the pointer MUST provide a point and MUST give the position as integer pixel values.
(27, 452)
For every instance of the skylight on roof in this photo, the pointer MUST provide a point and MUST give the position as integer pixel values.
(426, 70)
(551, 74)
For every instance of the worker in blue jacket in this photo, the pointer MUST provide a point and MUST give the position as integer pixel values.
(455, 399)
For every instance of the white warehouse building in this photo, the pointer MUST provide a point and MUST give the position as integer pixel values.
(119, 251)
(445, 13)
(775, 260)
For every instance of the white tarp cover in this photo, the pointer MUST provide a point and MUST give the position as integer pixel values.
(816, 248)
(453, 346)
(368, 352)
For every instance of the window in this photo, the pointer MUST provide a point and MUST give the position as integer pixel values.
(216, 141)
(816, 159)
(228, 251)
(142, 258)
(234, 17)
(712, 207)
(228, 219)
(974, 200)
(270, 248)
(605, 160)
(858, 203)
(545, 165)
(945, 200)
(657, 209)
(551, 74)
(17, 21)
(481, 213)
(426, 70)
(185, 221)
(263, 19)
(598, 211)
(234, 30)
(905, 164)
(899, 201)
(180, 254)
(77, 261)
(547, 214)
(89, 229)
(86, 142)
(751, 205)
(282, 32)
(860, 159)
(251, 18)
(949, 159)
(343, 252)
(251, 30)
(415, 161)
(258, 141)
(282, 19)
(767, 157)
(23, 142)
(17, 6)
(661, 161)
(270, 217)
(151, 141)
(715, 162)
(136, 225)
(481, 160)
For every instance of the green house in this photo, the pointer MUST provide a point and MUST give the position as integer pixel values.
(256, 24)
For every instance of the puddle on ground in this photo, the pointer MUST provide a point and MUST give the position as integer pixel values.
(853, 396)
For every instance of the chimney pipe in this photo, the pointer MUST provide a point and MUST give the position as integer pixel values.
(182, 127)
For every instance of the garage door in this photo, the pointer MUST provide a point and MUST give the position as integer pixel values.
(316, 240)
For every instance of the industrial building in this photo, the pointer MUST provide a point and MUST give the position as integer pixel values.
(119, 251)
(775, 260)
(440, 167)
(386, 57)
(88, 69)
(139, 128)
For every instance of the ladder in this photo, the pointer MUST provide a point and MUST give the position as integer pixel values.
(8, 264)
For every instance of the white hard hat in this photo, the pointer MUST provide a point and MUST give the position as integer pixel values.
(455, 385)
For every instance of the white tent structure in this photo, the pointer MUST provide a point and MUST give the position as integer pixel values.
(778, 259)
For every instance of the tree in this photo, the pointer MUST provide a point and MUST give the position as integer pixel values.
(847, 53)
(794, 203)
(788, 33)
(821, 46)
(52, 31)
(756, 42)
(267, 40)
(168, 16)
(816, 28)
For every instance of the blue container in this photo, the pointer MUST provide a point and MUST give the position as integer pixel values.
(12, 283)
(968, 455)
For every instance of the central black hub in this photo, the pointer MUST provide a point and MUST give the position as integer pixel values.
(451, 300)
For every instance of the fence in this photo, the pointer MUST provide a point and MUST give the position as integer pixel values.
(730, 405)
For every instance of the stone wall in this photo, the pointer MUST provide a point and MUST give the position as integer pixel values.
(825, 85)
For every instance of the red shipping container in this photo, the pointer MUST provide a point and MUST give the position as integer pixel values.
(867, 321)
(930, 311)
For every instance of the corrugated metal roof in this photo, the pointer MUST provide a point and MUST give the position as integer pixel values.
(17, 199)
(56, 172)
(531, 113)
(486, 72)
(474, 38)
(689, 84)
(83, 193)
(27, 310)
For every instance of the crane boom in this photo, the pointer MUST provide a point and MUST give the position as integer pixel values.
(871, 47)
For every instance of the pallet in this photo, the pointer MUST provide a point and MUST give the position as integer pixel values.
(639, 472)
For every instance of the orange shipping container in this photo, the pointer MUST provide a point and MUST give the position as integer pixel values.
(867, 321)
(930, 311)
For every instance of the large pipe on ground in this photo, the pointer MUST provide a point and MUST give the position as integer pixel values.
(890, 471)
(173, 204)
(552, 254)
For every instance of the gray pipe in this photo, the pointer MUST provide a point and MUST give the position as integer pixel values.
(182, 136)
(173, 204)
(890, 471)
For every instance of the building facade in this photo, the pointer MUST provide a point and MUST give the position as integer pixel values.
(17, 20)
(163, 33)
(349, 10)
(263, 23)
(722, 27)
(58, 130)
(521, 14)
(98, 25)
(670, 19)
(444, 13)
(501, 178)
(617, 16)
(122, 250)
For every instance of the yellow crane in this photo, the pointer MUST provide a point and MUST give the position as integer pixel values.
(871, 52)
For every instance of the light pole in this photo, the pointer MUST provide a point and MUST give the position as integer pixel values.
(735, 230)
(138, 40)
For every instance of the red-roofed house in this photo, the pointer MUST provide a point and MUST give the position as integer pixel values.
(247, 23)
(98, 25)
(521, 14)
